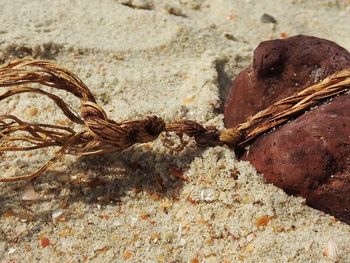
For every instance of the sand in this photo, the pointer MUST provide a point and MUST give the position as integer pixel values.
(174, 59)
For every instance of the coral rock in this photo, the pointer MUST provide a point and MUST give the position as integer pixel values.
(309, 156)
(280, 68)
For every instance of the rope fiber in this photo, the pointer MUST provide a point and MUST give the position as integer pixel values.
(101, 134)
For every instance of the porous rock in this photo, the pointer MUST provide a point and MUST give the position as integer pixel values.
(309, 156)
(280, 68)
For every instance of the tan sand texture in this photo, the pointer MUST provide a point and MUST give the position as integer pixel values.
(174, 59)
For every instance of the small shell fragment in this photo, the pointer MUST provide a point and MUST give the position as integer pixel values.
(182, 242)
(11, 251)
(29, 194)
(56, 214)
(250, 237)
(263, 220)
(331, 250)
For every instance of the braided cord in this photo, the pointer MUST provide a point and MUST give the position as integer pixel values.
(102, 135)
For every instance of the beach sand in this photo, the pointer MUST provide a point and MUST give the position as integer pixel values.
(175, 59)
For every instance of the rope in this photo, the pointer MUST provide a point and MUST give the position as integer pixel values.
(102, 135)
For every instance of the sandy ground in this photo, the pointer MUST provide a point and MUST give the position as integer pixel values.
(175, 59)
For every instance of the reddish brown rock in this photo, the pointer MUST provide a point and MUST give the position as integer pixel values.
(280, 68)
(309, 156)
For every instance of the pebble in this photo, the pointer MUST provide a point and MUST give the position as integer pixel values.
(266, 18)
(173, 10)
(29, 194)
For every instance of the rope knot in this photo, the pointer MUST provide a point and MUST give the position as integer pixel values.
(231, 137)
(203, 136)
(124, 134)
(147, 130)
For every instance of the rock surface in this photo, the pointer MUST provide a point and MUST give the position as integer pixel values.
(280, 68)
(310, 156)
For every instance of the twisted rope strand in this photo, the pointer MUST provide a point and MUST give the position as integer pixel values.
(102, 135)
